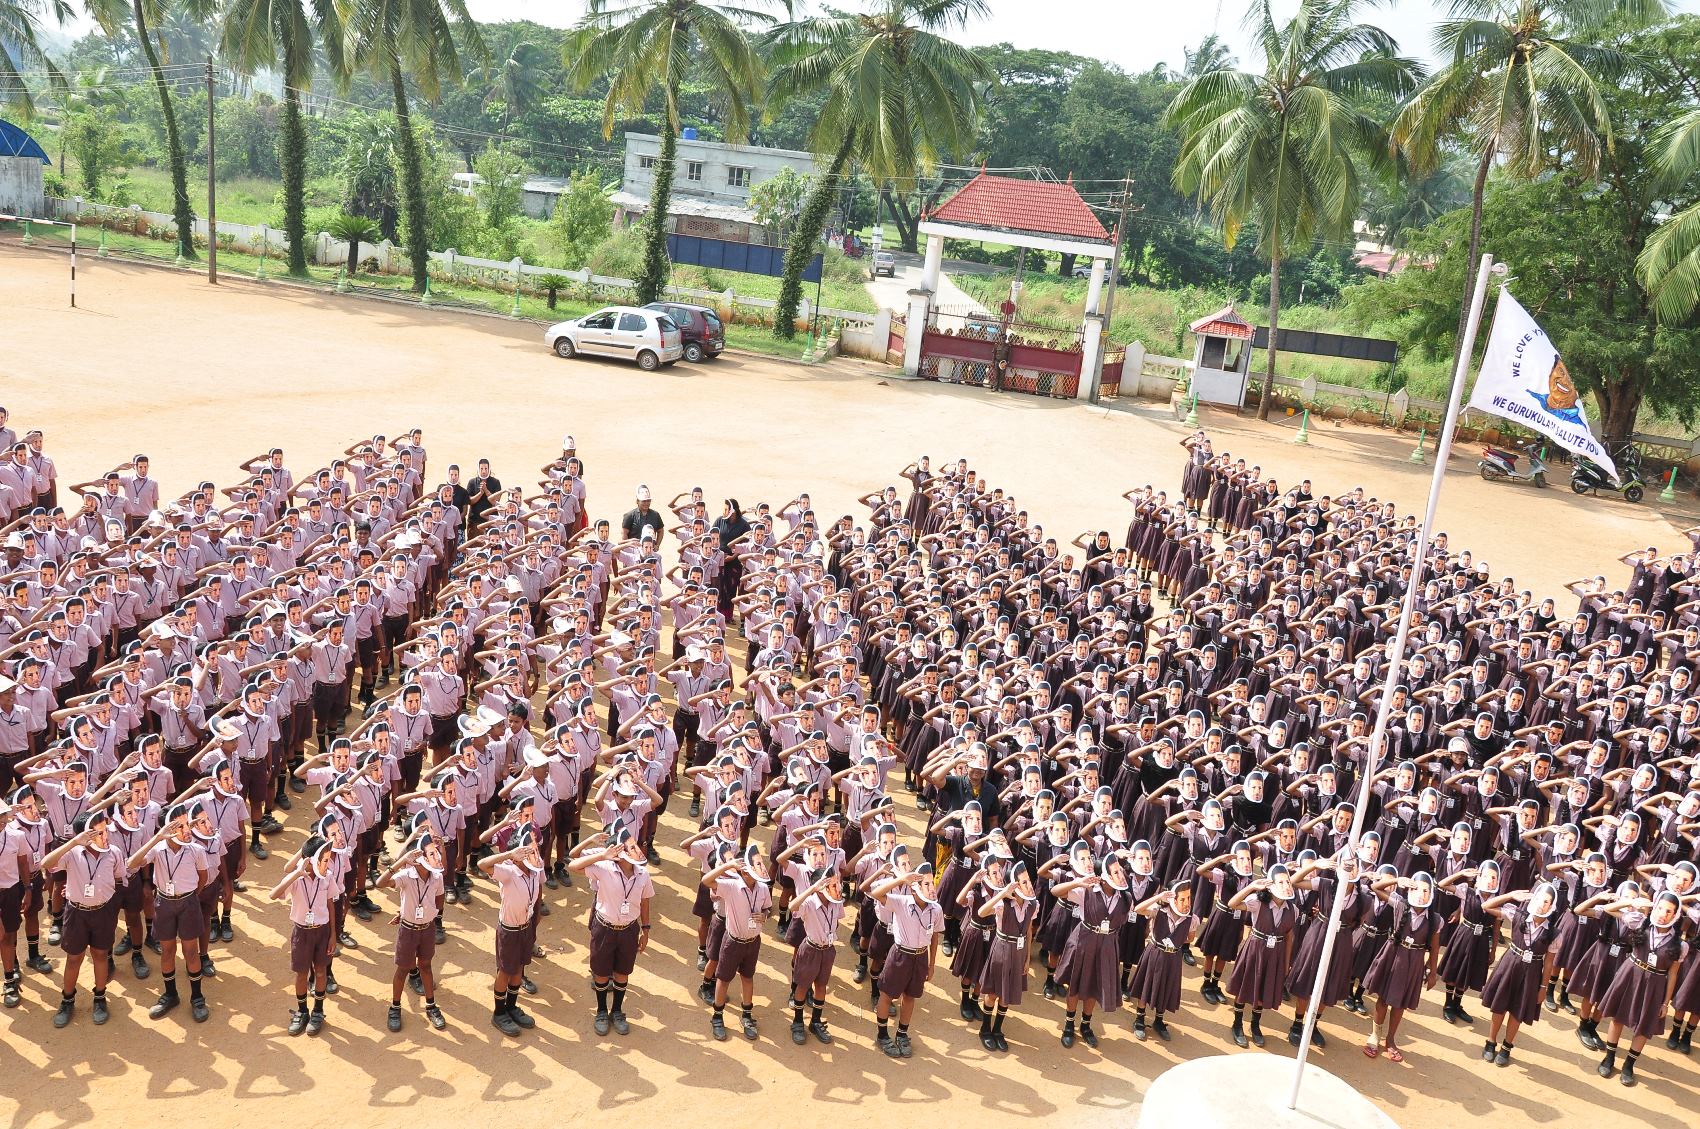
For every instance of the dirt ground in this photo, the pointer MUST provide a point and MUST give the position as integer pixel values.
(201, 378)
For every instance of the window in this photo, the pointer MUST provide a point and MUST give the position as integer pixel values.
(633, 323)
(604, 320)
(646, 162)
(737, 177)
(693, 170)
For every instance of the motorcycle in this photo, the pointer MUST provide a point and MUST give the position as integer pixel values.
(1501, 463)
(1587, 475)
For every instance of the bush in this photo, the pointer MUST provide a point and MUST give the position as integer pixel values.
(620, 255)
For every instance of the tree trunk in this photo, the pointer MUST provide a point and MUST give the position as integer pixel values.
(652, 280)
(353, 257)
(1620, 403)
(412, 184)
(908, 223)
(1268, 395)
(180, 209)
(1067, 268)
(1476, 195)
(292, 155)
(805, 239)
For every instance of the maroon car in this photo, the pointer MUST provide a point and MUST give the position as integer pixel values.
(700, 327)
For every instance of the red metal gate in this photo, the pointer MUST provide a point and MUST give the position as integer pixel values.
(964, 348)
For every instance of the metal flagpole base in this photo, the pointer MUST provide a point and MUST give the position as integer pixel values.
(1668, 494)
(1250, 1092)
(1303, 437)
(1417, 456)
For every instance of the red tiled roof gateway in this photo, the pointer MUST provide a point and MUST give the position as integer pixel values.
(1038, 206)
(1225, 322)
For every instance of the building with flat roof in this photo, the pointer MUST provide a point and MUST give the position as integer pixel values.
(711, 184)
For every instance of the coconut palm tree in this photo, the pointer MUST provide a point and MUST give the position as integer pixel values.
(397, 40)
(279, 35)
(1669, 266)
(649, 47)
(900, 94)
(1522, 85)
(516, 78)
(1281, 148)
(142, 16)
(21, 52)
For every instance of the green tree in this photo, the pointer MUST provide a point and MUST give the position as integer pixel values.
(280, 35)
(777, 200)
(140, 16)
(901, 94)
(94, 139)
(1523, 84)
(1670, 265)
(416, 39)
(646, 48)
(1282, 147)
(500, 184)
(353, 230)
(20, 52)
(582, 218)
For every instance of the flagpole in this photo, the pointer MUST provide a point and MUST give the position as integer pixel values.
(1395, 658)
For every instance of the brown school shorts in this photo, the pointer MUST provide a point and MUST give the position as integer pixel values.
(309, 947)
(178, 919)
(86, 929)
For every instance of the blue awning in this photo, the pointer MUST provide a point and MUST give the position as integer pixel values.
(14, 142)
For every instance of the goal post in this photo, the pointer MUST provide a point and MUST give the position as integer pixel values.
(36, 221)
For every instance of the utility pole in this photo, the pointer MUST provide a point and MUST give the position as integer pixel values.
(1110, 295)
(212, 177)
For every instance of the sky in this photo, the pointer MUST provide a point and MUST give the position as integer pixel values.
(1133, 34)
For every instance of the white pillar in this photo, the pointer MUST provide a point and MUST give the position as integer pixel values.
(1091, 349)
(1095, 287)
(920, 302)
(930, 270)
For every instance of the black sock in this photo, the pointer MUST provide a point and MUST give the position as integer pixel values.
(720, 1012)
(997, 1024)
(501, 1004)
(1239, 1013)
(195, 985)
(34, 947)
(1068, 1019)
(985, 1023)
(301, 1002)
(431, 1000)
(601, 990)
(170, 979)
(253, 839)
(902, 1030)
(619, 997)
(395, 1000)
(708, 982)
(815, 1007)
(744, 1011)
(1139, 1015)
(318, 1003)
(1629, 1059)
(885, 1028)
(1507, 1044)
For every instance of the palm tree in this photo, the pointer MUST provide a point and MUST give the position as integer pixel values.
(900, 94)
(20, 51)
(415, 38)
(1669, 266)
(1522, 84)
(648, 47)
(353, 230)
(1211, 54)
(142, 16)
(86, 94)
(1280, 148)
(279, 35)
(516, 79)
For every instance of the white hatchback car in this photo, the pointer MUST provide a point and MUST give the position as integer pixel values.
(646, 336)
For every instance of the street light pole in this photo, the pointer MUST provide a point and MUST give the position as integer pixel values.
(212, 183)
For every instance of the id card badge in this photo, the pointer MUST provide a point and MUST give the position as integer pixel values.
(1616, 950)
(1106, 926)
(419, 912)
(1269, 942)
(88, 889)
(312, 919)
(625, 909)
(1477, 821)
(1528, 956)
(168, 890)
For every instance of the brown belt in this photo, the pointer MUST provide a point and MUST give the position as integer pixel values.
(605, 923)
(911, 952)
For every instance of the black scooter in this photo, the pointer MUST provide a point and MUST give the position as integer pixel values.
(1587, 476)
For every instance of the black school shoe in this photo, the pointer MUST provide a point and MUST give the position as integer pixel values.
(751, 1031)
(164, 1005)
(603, 1023)
(198, 1009)
(621, 1026)
(717, 1025)
(799, 1033)
(520, 1016)
(315, 1022)
(394, 1020)
(1161, 1030)
(434, 1014)
(297, 1021)
(817, 1028)
(504, 1023)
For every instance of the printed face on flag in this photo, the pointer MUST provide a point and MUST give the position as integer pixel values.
(1523, 379)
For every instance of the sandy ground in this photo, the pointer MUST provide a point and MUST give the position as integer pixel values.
(200, 378)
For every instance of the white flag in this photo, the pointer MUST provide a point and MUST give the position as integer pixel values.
(1524, 380)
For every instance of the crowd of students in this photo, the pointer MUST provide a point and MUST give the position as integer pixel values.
(1131, 757)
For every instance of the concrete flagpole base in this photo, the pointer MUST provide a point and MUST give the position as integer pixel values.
(1250, 1091)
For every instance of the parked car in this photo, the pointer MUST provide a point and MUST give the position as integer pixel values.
(699, 329)
(1082, 270)
(648, 337)
(885, 263)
